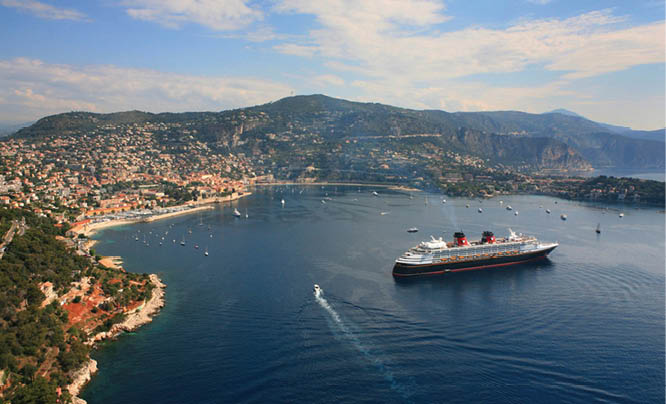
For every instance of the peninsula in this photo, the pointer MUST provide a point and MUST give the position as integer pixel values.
(53, 314)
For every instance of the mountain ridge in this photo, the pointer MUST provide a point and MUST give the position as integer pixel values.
(587, 143)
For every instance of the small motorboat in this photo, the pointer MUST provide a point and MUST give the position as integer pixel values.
(373, 193)
(515, 213)
(508, 207)
(282, 202)
(412, 230)
(621, 215)
(443, 200)
(467, 205)
(206, 252)
(384, 213)
(480, 210)
(563, 216)
(237, 213)
(548, 211)
(598, 230)
(196, 246)
(317, 289)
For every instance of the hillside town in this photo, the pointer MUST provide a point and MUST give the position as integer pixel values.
(104, 171)
(110, 170)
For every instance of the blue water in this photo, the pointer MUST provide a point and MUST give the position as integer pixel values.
(243, 324)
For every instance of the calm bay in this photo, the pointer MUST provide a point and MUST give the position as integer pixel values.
(242, 324)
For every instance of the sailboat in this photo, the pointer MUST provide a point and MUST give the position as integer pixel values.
(206, 252)
(182, 242)
(246, 215)
(282, 202)
(598, 230)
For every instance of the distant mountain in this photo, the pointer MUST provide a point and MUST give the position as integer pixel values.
(551, 140)
(10, 128)
(659, 134)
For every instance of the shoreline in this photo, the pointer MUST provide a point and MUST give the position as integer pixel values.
(143, 315)
(351, 184)
(89, 230)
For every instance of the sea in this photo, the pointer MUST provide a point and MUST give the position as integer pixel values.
(242, 325)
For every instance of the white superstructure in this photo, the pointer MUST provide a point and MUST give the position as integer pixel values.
(438, 251)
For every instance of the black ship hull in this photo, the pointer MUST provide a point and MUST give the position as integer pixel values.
(497, 261)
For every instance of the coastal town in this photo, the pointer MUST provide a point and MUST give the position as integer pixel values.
(121, 171)
(104, 171)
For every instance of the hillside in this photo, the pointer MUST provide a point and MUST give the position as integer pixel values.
(52, 298)
(303, 130)
(658, 134)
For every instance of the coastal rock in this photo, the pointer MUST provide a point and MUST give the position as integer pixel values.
(81, 377)
(49, 294)
(138, 318)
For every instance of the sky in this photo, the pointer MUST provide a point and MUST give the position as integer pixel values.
(603, 59)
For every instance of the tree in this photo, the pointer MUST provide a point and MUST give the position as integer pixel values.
(40, 391)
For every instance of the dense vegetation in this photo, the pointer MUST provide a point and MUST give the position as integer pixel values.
(618, 190)
(38, 352)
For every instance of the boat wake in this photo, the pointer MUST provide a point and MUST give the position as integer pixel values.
(383, 368)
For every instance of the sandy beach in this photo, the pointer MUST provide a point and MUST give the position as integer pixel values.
(206, 204)
(351, 184)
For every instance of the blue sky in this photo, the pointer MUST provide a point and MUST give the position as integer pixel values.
(602, 59)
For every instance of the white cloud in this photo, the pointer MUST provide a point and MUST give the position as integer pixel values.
(33, 89)
(43, 10)
(325, 80)
(219, 15)
(400, 53)
(376, 45)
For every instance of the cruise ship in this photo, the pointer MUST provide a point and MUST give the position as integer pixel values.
(439, 257)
